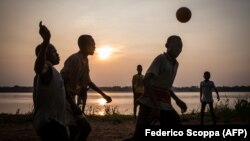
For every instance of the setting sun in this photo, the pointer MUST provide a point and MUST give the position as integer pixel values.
(104, 52)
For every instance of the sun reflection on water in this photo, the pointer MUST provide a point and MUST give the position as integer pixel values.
(101, 101)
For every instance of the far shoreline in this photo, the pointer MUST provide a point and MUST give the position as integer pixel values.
(128, 89)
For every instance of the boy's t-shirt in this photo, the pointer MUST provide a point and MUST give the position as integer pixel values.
(49, 100)
(76, 73)
(164, 69)
(207, 89)
(138, 83)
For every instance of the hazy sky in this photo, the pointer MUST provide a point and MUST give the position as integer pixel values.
(217, 38)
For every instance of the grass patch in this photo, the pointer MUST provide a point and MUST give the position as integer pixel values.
(28, 117)
(239, 114)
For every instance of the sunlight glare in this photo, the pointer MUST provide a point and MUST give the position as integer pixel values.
(101, 101)
(104, 52)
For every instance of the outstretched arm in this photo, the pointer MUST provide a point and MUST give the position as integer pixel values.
(94, 87)
(41, 58)
(178, 101)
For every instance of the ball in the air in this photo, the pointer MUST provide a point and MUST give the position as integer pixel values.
(183, 14)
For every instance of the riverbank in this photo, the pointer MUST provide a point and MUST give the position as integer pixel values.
(115, 127)
(108, 128)
(19, 128)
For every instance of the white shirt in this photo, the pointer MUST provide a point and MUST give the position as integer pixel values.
(164, 69)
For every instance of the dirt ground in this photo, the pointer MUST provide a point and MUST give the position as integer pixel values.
(101, 130)
(15, 130)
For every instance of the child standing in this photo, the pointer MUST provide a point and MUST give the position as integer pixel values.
(138, 87)
(206, 89)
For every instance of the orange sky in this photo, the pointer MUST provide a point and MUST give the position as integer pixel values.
(215, 39)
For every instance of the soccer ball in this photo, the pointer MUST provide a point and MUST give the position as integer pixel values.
(183, 14)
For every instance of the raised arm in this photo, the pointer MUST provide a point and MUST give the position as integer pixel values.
(94, 87)
(41, 58)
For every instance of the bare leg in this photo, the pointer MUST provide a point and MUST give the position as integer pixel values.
(135, 109)
(203, 105)
(212, 112)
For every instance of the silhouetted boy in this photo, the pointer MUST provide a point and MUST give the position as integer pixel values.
(206, 89)
(77, 80)
(49, 94)
(155, 104)
(138, 87)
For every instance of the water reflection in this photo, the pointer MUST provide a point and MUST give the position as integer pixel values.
(101, 101)
(11, 102)
(101, 113)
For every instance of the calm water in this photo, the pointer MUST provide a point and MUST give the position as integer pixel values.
(11, 102)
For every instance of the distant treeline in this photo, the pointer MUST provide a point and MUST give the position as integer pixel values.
(220, 89)
(129, 89)
(16, 89)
